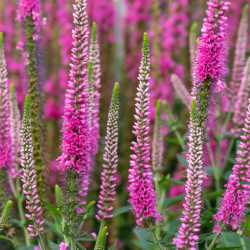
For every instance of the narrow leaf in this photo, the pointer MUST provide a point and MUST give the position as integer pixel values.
(53, 246)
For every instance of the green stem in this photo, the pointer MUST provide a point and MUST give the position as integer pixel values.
(73, 244)
(41, 244)
(100, 230)
(22, 217)
(227, 119)
(157, 241)
(243, 243)
(215, 239)
(177, 134)
(16, 242)
(19, 198)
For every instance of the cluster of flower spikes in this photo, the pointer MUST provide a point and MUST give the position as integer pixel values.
(210, 56)
(94, 57)
(32, 10)
(239, 56)
(5, 125)
(74, 160)
(187, 238)
(111, 158)
(236, 197)
(29, 174)
(141, 188)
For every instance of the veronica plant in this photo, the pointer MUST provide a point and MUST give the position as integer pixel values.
(109, 168)
(30, 13)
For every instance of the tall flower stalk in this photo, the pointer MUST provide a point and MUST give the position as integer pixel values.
(111, 161)
(187, 238)
(192, 45)
(141, 188)
(94, 57)
(75, 158)
(6, 159)
(28, 178)
(208, 76)
(14, 172)
(30, 13)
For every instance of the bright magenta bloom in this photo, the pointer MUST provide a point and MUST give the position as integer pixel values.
(141, 188)
(210, 57)
(75, 144)
(31, 8)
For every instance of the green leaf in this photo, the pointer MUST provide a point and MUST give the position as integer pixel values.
(122, 210)
(53, 246)
(5, 238)
(53, 227)
(81, 247)
(142, 243)
(85, 239)
(204, 236)
(18, 222)
(173, 200)
(28, 247)
(215, 194)
(181, 160)
(171, 140)
(53, 210)
(89, 206)
(227, 174)
(177, 182)
(113, 247)
(231, 160)
(227, 248)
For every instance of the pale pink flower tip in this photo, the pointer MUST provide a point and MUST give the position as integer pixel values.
(217, 230)
(94, 235)
(220, 86)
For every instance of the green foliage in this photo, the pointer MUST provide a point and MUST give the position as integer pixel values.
(122, 210)
(5, 238)
(113, 247)
(173, 200)
(193, 28)
(53, 246)
(6, 214)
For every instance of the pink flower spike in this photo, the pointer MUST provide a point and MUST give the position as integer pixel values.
(63, 246)
(141, 188)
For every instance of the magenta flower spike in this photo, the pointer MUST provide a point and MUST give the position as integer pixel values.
(94, 57)
(141, 188)
(75, 158)
(28, 176)
(6, 159)
(75, 144)
(239, 56)
(111, 160)
(236, 197)
(187, 238)
(210, 62)
(181, 90)
(31, 9)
